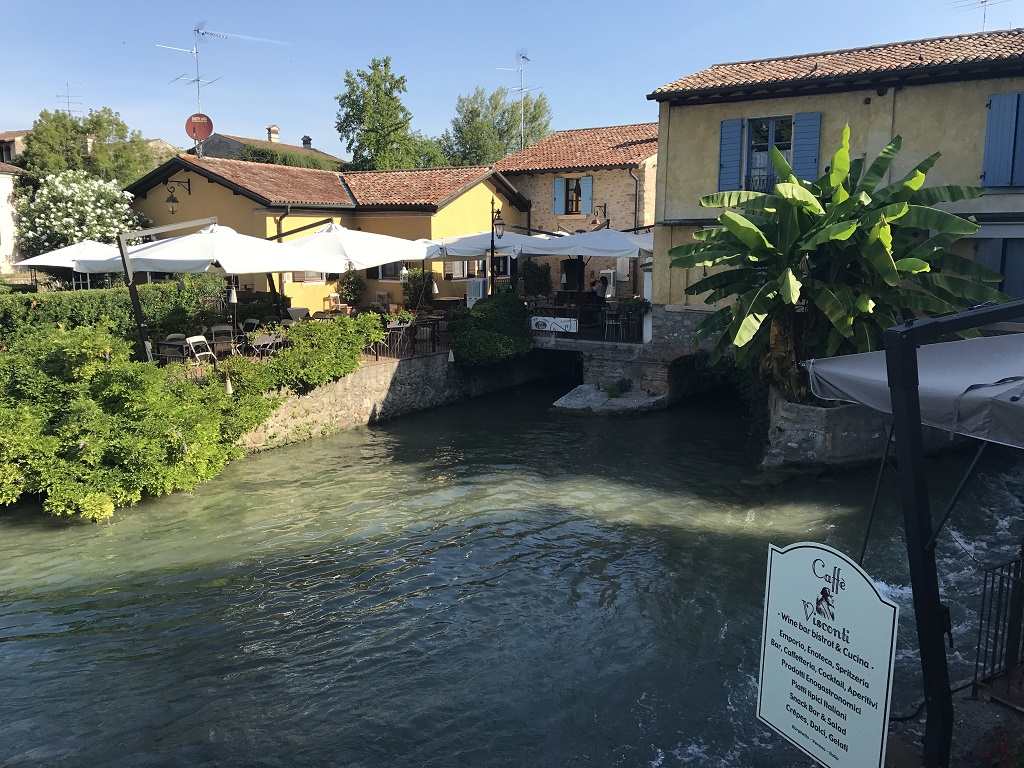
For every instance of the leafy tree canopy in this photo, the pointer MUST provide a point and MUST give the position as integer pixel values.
(100, 143)
(486, 127)
(372, 121)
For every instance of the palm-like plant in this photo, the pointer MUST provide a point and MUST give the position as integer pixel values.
(824, 266)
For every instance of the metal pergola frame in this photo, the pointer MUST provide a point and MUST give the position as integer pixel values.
(901, 345)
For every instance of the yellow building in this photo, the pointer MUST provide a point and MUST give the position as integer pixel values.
(958, 95)
(267, 200)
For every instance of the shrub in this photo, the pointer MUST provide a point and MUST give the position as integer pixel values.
(87, 429)
(255, 154)
(536, 277)
(169, 307)
(417, 288)
(493, 331)
(69, 207)
(351, 287)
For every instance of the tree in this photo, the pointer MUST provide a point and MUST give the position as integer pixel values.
(100, 143)
(486, 127)
(824, 267)
(427, 152)
(69, 207)
(372, 120)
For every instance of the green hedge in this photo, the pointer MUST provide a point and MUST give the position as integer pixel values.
(493, 331)
(171, 307)
(86, 429)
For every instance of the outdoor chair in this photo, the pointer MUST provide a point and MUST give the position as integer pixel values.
(265, 344)
(250, 324)
(298, 313)
(223, 339)
(613, 321)
(199, 350)
(171, 349)
(332, 302)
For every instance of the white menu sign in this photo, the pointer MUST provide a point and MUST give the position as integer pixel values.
(827, 652)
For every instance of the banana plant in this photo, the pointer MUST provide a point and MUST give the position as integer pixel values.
(823, 267)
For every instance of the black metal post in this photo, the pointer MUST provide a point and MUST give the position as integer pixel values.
(141, 329)
(1015, 617)
(901, 365)
(490, 263)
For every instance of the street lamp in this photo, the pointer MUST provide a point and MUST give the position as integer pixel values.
(172, 203)
(497, 230)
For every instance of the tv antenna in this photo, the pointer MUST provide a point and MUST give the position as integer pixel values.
(71, 102)
(522, 62)
(974, 5)
(199, 31)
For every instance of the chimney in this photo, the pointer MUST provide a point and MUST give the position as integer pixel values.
(273, 133)
(307, 142)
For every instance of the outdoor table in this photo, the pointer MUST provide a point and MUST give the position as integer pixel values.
(265, 344)
(174, 350)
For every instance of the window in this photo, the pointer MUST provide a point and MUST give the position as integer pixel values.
(307, 277)
(6, 151)
(573, 193)
(1003, 163)
(461, 270)
(500, 264)
(764, 132)
(1007, 258)
(392, 271)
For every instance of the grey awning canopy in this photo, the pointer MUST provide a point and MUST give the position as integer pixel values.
(971, 387)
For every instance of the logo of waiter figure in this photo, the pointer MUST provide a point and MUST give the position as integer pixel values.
(824, 604)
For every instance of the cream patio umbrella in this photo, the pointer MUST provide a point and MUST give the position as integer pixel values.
(334, 248)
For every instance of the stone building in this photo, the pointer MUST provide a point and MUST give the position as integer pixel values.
(231, 147)
(12, 144)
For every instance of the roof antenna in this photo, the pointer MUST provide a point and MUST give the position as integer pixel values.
(200, 31)
(71, 102)
(522, 62)
(973, 5)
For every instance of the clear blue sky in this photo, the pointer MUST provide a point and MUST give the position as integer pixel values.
(596, 61)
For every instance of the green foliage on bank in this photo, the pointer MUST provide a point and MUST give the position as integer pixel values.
(493, 331)
(85, 429)
(256, 154)
(170, 307)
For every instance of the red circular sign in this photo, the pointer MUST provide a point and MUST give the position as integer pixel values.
(199, 127)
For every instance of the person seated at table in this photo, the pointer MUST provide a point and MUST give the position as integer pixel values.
(600, 289)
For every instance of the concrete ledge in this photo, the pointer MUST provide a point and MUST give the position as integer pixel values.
(587, 398)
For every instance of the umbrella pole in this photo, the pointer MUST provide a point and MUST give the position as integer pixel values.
(141, 331)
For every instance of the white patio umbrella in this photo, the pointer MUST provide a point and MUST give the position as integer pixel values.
(334, 248)
(69, 256)
(479, 244)
(599, 242)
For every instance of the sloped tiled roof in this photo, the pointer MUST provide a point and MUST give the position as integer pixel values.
(280, 185)
(614, 146)
(264, 144)
(11, 169)
(276, 184)
(12, 135)
(413, 188)
(998, 50)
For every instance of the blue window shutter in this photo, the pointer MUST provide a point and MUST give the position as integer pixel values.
(806, 144)
(558, 202)
(1000, 137)
(1017, 174)
(730, 155)
(586, 194)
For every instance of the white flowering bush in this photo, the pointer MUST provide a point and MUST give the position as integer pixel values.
(69, 207)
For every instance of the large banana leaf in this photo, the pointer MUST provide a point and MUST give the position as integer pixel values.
(947, 262)
(754, 315)
(737, 280)
(878, 252)
(730, 199)
(913, 266)
(783, 170)
(833, 309)
(841, 230)
(840, 166)
(947, 194)
(745, 231)
(923, 217)
(798, 196)
(789, 287)
(880, 166)
(708, 259)
(962, 289)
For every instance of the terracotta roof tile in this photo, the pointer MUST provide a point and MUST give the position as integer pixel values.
(11, 135)
(264, 144)
(1000, 47)
(11, 169)
(611, 146)
(279, 184)
(422, 187)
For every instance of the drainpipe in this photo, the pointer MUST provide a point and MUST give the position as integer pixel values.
(636, 199)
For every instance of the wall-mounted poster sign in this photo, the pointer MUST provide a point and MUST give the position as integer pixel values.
(827, 652)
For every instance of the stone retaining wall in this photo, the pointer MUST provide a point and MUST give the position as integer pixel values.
(842, 434)
(383, 390)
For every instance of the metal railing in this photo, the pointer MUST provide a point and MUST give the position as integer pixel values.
(421, 337)
(999, 622)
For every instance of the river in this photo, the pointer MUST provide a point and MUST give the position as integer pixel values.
(490, 584)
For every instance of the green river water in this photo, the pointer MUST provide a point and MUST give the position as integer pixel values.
(491, 584)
